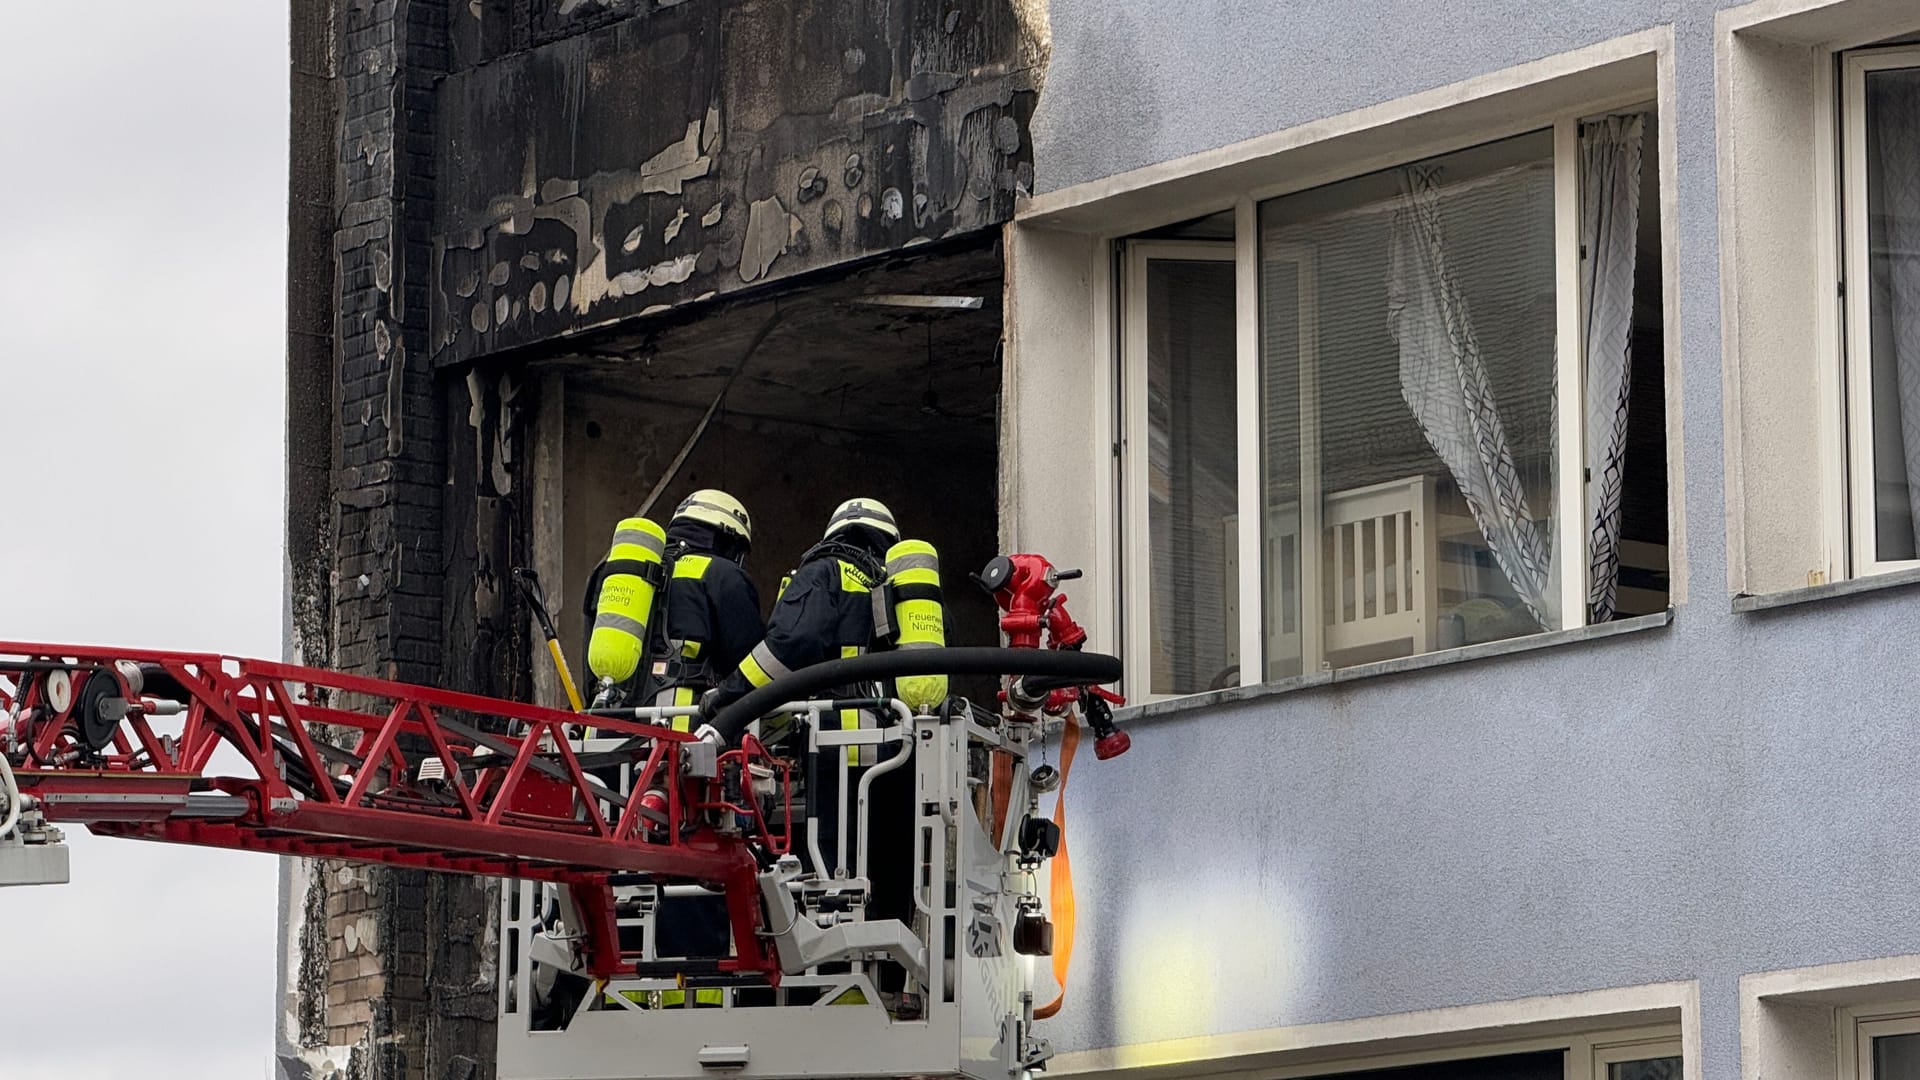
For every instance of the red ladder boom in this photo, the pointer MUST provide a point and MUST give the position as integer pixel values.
(341, 766)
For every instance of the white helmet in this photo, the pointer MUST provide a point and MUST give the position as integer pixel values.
(711, 506)
(871, 513)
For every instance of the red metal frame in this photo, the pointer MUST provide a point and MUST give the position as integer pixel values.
(515, 800)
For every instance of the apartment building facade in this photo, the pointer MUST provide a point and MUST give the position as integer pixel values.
(1552, 721)
(1481, 425)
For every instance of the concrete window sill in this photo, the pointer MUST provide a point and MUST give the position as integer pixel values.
(1751, 602)
(1466, 654)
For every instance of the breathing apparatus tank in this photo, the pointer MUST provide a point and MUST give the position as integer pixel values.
(918, 618)
(629, 580)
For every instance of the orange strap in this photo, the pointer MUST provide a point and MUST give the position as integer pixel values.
(1060, 890)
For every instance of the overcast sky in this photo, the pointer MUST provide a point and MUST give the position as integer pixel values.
(142, 359)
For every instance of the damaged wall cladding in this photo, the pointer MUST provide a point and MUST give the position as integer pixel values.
(707, 147)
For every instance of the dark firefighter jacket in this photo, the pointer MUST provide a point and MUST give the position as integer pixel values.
(712, 621)
(712, 617)
(824, 613)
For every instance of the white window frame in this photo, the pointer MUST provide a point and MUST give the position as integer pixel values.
(1860, 1025)
(1136, 558)
(1856, 314)
(1587, 1054)
(1610, 1052)
(1571, 502)
(1307, 265)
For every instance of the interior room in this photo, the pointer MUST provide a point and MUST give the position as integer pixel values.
(883, 382)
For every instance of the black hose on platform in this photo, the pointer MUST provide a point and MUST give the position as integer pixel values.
(1077, 668)
(157, 682)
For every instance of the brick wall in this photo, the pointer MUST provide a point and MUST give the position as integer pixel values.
(356, 978)
(388, 559)
(368, 561)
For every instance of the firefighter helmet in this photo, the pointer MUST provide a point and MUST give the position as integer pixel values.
(870, 513)
(714, 507)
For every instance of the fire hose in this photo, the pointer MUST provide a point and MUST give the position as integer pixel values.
(1081, 668)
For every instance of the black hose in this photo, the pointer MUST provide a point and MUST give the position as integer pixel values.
(1081, 668)
(1040, 684)
(157, 682)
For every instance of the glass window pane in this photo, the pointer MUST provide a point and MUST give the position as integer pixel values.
(1896, 1057)
(1893, 263)
(1192, 477)
(1539, 1065)
(1661, 1068)
(1408, 356)
(1287, 329)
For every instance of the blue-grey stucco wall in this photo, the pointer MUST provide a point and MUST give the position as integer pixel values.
(1734, 793)
(1180, 76)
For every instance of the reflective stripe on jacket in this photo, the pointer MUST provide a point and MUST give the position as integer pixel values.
(825, 608)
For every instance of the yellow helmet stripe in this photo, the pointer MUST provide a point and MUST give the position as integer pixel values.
(865, 512)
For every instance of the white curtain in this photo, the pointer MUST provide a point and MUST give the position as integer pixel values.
(1610, 153)
(1444, 383)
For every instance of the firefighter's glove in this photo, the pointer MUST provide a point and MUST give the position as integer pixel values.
(710, 704)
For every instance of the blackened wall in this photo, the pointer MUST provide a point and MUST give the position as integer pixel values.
(702, 147)
(473, 176)
(392, 975)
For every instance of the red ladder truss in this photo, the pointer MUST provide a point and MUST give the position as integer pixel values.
(341, 766)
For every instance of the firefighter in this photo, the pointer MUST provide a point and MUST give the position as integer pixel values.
(825, 612)
(712, 620)
(708, 619)
(708, 615)
(825, 609)
(713, 610)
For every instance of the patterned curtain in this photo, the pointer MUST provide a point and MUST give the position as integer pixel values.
(1610, 153)
(1444, 383)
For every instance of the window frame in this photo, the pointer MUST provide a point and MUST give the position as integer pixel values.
(1855, 304)
(1860, 1025)
(1136, 559)
(1609, 1053)
(1586, 1054)
(1129, 519)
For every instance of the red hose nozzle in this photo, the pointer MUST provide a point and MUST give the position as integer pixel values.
(1108, 740)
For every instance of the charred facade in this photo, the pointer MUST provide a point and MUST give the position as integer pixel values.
(499, 204)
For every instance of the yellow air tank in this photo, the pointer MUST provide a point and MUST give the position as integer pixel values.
(632, 576)
(919, 617)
